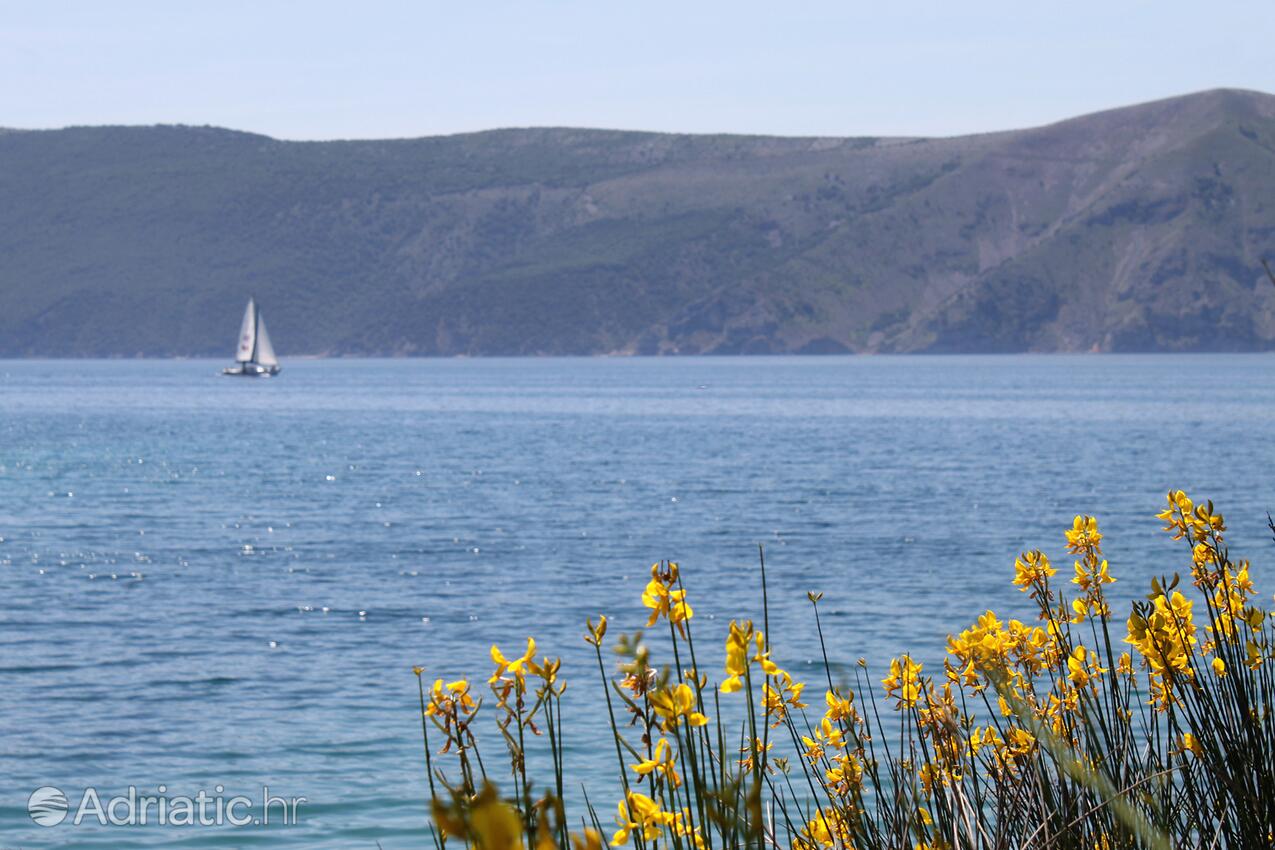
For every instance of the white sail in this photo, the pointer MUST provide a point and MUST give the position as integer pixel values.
(265, 351)
(248, 334)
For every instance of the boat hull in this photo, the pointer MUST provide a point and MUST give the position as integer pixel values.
(250, 370)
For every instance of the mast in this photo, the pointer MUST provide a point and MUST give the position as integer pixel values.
(256, 328)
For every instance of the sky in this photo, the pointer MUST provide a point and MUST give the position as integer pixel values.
(397, 68)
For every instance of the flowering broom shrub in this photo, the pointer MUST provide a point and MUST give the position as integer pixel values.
(1068, 728)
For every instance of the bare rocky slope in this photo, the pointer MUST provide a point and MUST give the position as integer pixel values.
(1137, 229)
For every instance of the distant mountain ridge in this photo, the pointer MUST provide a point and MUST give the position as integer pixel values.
(1135, 229)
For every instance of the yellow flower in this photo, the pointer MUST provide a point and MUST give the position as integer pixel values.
(814, 749)
(1164, 635)
(830, 735)
(591, 840)
(1083, 536)
(680, 826)
(547, 670)
(987, 737)
(1219, 667)
(449, 698)
(839, 708)
(756, 749)
(662, 761)
(903, 683)
(495, 824)
(674, 703)
(1231, 593)
(828, 828)
(776, 700)
(545, 835)
(1191, 744)
(639, 812)
(1205, 559)
(1253, 655)
(1032, 569)
(773, 703)
(1197, 523)
(1179, 507)
(1242, 583)
(1091, 575)
(1206, 521)
(515, 668)
(1018, 743)
(989, 645)
(448, 821)
(1082, 666)
(663, 600)
(762, 656)
(736, 656)
(845, 775)
(594, 638)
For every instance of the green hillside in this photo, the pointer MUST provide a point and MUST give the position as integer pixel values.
(1139, 229)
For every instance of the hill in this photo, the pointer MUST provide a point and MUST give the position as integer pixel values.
(1137, 229)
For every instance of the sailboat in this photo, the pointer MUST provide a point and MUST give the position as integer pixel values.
(255, 356)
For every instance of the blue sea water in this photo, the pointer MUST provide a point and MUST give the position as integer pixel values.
(211, 582)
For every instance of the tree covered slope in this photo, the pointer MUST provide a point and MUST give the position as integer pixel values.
(1138, 229)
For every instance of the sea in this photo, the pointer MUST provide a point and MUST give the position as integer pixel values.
(219, 587)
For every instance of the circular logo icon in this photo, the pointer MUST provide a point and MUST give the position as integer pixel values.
(47, 806)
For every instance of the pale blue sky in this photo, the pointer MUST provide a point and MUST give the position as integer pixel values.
(379, 68)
